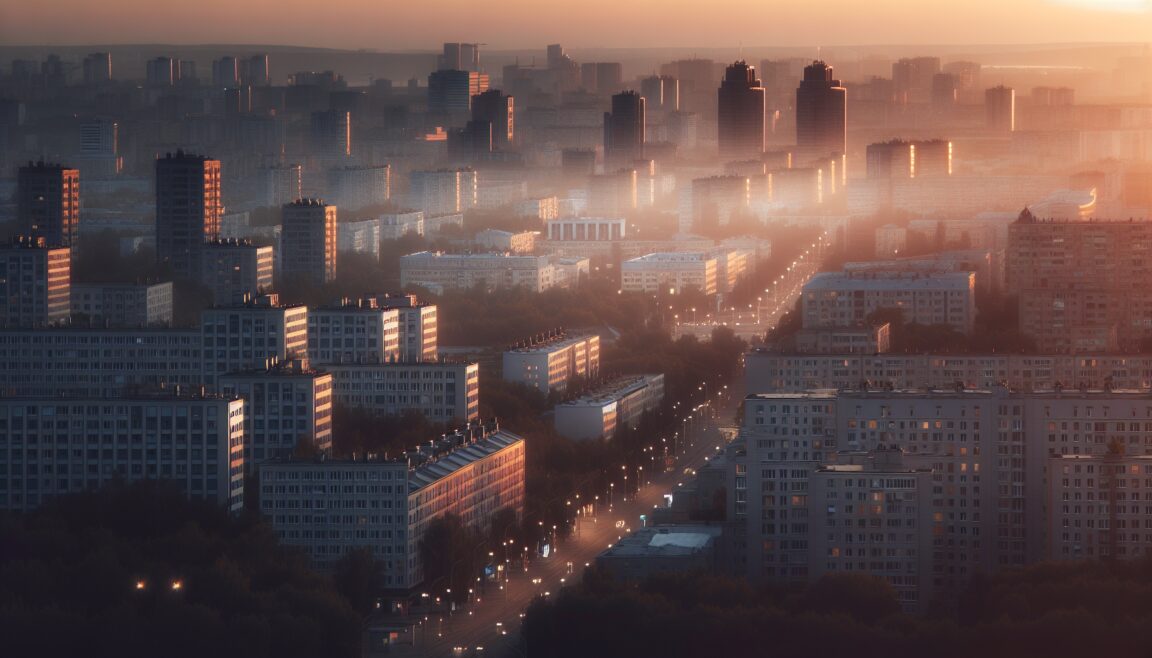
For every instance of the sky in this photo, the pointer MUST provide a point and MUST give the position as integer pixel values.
(389, 25)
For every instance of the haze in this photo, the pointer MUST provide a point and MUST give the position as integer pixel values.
(394, 26)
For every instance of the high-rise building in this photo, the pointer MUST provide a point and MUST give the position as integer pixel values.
(48, 203)
(97, 68)
(821, 113)
(602, 77)
(355, 331)
(1079, 284)
(246, 335)
(354, 188)
(308, 241)
(460, 57)
(254, 71)
(740, 114)
(624, 131)
(661, 93)
(613, 194)
(912, 78)
(450, 91)
(279, 185)
(444, 191)
(35, 283)
(188, 209)
(235, 270)
(496, 108)
(161, 72)
(186, 69)
(332, 134)
(287, 407)
(226, 72)
(1000, 109)
(418, 326)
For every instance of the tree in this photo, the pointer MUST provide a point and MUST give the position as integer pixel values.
(357, 576)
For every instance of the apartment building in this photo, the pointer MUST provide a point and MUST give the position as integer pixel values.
(550, 363)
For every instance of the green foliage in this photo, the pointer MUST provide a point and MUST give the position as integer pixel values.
(1056, 610)
(69, 574)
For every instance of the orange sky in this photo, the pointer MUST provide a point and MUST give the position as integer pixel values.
(390, 25)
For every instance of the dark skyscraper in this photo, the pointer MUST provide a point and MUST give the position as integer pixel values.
(497, 109)
(740, 114)
(187, 209)
(450, 91)
(624, 130)
(661, 93)
(48, 203)
(1000, 108)
(821, 113)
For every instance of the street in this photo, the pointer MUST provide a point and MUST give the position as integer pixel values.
(493, 622)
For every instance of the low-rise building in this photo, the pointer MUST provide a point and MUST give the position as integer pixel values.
(659, 550)
(551, 362)
(124, 305)
(443, 392)
(523, 242)
(328, 507)
(98, 363)
(488, 271)
(833, 299)
(394, 226)
(48, 449)
(362, 237)
(615, 404)
(672, 272)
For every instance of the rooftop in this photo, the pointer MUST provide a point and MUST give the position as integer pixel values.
(665, 541)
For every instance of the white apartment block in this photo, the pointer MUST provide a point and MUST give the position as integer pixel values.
(769, 371)
(443, 192)
(523, 242)
(443, 392)
(488, 271)
(876, 520)
(1099, 507)
(358, 331)
(233, 269)
(53, 446)
(330, 507)
(732, 265)
(418, 327)
(551, 364)
(354, 188)
(394, 226)
(847, 298)
(124, 305)
(98, 363)
(246, 336)
(285, 405)
(599, 413)
(587, 229)
(361, 237)
(671, 272)
(990, 455)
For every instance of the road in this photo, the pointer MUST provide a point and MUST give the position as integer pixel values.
(476, 625)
